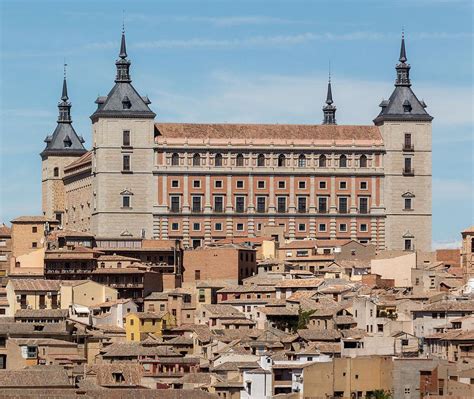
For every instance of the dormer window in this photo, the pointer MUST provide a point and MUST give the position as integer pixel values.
(67, 142)
(406, 106)
(126, 104)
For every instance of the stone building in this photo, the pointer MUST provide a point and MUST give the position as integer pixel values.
(206, 182)
(467, 253)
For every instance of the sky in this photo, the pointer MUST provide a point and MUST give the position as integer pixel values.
(238, 61)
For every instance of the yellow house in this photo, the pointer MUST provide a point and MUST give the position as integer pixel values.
(138, 325)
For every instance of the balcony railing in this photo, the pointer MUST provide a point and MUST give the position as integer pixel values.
(408, 147)
(408, 172)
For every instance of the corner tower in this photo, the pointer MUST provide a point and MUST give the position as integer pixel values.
(406, 130)
(62, 148)
(122, 159)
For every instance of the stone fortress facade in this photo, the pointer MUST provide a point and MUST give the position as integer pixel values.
(204, 182)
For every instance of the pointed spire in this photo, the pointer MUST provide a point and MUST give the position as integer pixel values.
(403, 69)
(64, 96)
(123, 65)
(329, 110)
(403, 54)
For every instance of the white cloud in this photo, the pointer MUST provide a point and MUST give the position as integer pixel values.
(446, 244)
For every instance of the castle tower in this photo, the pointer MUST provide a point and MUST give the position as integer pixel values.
(122, 162)
(406, 129)
(62, 148)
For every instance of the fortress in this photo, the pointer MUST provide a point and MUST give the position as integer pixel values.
(204, 182)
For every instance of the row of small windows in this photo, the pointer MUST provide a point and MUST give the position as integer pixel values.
(302, 227)
(282, 160)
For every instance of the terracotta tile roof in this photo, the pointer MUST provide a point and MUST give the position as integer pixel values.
(279, 311)
(41, 313)
(157, 296)
(319, 335)
(223, 311)
(118, 258)
(299, 283)
(265, 132)
(299, 244)
(33, 219)
(28, 329)
(244, 240)
(35, 378)
(159, 244)
(239, 289)
(235, 366)
(116, 270)
(443, 306)
(468, 230)
(81, 161)
(149, 315)
(135, 349)
(33, 284)
(42, 342)
(5, 231)
(69, 233)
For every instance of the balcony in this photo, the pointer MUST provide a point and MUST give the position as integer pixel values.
(408, 147)
(302, 210)
(408, 172)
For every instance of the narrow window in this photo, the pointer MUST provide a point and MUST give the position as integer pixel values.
(196, 204)
(302, 205)
(239, 160)
(175, 204)
(322, 161)
(408, 246)
(261, 204)
(197, 275)
(56, 172)
(281, 205)
(126, 163)
(407, 165)
(301, 161)
(219, 204)
(240, 204)
(126, 138)
(343, 161)
(261, 160)
(218, 160)
(175, 159)
(363, 161)
(322, 204)
(363, 205)
(196, 160)
(407, 145)
(342, 204)
(125, 201)
(408, 204)
(281, 160)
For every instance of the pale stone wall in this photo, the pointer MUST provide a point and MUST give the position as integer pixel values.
(108, 217)
(403, 224)
(79, 202)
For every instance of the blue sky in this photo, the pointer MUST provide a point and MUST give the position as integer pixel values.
(238, 61)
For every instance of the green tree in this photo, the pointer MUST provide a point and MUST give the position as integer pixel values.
(303, 318)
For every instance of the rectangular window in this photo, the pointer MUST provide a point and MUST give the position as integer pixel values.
(363, 205)
(218, 226)
(196, 226)
(196, 243)
(363, 185)
(343, 227)
(126, 163)
(174, 183)
(197, 275)
(322, 204)
(281, 204)
(240, 204)
(261, 184)
(407, 169)
(301, 227)
(219, 204)
(322, 185)
(408, 245)
(302, 185)
(125, 201)
(34, 229)
(408, 204)
(302, 205)
(218, 184)
(261, 204)
(196, 183)
(342, 204)
(322, 227)
(281, 184)
(301, 253)
(34, 245)
(343, 185)
(240, 227)
(363, 227)
(407, 143)
(42, 301)
(196, 204)
(175, 203)
(240, 184)
(174, 226)
(126, 138)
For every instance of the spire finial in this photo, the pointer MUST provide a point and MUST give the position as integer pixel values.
(329, 110)
(123, 47)
(329, 100)
(64, 96)
(403, 54)
(123, 21)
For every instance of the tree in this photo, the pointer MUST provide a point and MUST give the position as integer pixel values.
(303, 318)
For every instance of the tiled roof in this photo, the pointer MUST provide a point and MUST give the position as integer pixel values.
(118, 258)
(135, 349)
(5, 231)
(223, 311)
(156, 296)
(149, 315)
(28, 329)
(267, 132)
(299, 283)
(116, 270)
(82, 160)
(239, 289)
(31, 284)
(33, 219)
(443, 306)
(319, 335)
(159, 244)
(35, 378)
(299, 244)
(469, 230)
(235, 366)
(41, 313)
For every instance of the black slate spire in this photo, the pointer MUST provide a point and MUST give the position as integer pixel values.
(64, 141)
(329, 110)
(403, 69)
(123, 65)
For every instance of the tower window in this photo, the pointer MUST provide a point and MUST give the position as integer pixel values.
(218, 160)
(196, 160)
(408, 204)
(322, 161)
(261, 160)
(175, 159)
(343, 161)
(126, 138)
(281, 160)
(125, 201)
(408, 245)
(363, 161)
(56, 172)
(239, 160)
(126, 163)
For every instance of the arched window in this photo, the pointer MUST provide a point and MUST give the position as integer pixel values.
(175, 159)
(281, 160)
(343, 161)
(239, 160)
(196, 160)
(301, 161)
(261, 160)
(56, 172)
(218, 160)
(363, 161)
(322, 161)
